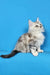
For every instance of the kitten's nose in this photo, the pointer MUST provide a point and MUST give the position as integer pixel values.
(40, 26)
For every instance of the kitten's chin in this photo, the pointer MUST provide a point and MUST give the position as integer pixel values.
(42, 30)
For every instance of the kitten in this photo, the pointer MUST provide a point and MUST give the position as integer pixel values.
(30, 41)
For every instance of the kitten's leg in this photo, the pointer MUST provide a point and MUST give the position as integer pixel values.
(27, 49)
(34, 52)
(39, 50)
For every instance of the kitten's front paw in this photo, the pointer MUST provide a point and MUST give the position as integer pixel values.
(35, 53)
(40, 51)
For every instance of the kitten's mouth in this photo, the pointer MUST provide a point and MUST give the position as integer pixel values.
(43, 30)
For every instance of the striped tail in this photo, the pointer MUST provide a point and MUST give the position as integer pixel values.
(14, 52)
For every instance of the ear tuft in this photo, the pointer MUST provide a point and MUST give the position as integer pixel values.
(37, 19)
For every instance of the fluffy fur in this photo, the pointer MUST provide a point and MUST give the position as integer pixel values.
(31, 41)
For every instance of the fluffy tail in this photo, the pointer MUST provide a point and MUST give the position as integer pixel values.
(10, 55)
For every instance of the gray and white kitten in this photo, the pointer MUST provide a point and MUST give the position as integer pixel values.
(30, 41)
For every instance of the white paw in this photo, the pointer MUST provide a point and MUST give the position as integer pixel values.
(35, 53)
(40, 51)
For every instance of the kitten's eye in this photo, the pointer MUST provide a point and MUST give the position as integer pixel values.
(36, 26)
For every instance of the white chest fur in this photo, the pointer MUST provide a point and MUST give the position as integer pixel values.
(39, 37)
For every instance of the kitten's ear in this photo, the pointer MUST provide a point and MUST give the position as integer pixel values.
(37, 19)
(30, 23)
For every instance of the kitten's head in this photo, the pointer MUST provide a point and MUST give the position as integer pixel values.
(36, 26)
